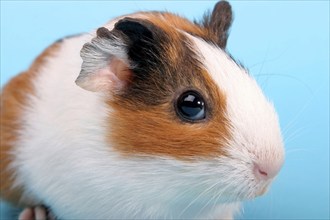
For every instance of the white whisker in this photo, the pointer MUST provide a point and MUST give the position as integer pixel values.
(294, 135)
(219, 196)
(193, 201)
(309, 89)
(213, 197)
(188, 189)
(263, 63)
(295, 150)
(270, 59)
(299, 113)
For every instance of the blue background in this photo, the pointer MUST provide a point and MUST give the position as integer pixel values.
(285, 45)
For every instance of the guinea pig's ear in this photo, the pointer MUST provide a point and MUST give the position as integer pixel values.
(219, 21)
(110, 58)
(105, 64)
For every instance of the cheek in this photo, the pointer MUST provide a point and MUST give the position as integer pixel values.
(158, 132)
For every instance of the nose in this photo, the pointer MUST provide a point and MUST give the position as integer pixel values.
(266, 170)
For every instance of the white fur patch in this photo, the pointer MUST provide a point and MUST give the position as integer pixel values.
(254, 123)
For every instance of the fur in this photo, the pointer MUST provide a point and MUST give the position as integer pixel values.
(70, 156)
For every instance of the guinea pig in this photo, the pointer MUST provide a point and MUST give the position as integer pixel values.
(148, 117)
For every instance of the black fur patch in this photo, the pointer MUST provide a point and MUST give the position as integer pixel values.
(143, 40)
(156, 77)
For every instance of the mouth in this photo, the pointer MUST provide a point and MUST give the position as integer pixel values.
(255, 190)
(263, 190)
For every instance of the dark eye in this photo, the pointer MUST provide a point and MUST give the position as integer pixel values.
(191, 106)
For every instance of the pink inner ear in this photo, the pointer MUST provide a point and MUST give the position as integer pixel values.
(114, 77)
(121, 73)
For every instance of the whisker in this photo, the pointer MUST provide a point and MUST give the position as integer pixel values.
(286, 133)
(290, 151)
(263, 62)
(193, 201)
(294, 135)
(310, 90)
(299, 113)
(241, 190)
(219, 196)
(213, 197)
(270, 59)
(294, 120)
(182, 193)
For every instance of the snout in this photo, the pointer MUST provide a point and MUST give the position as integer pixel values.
(267, 161)
(266, 170)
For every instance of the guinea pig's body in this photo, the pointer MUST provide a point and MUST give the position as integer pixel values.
(129, 141)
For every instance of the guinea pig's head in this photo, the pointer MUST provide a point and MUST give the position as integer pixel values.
(176, 95)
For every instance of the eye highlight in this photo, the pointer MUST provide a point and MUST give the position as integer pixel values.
(190, 106)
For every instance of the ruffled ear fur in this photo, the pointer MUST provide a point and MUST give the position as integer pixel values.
(113, 58)
(105, 63)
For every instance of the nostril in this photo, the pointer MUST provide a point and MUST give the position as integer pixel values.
(263, 173)
(266, 169)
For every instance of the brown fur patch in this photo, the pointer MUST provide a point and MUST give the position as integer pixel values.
(13, 102)
(144, 120)
(213, 27)
(168, 21)
(157, 130)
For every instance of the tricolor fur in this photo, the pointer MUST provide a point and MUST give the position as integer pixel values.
(114, 147)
